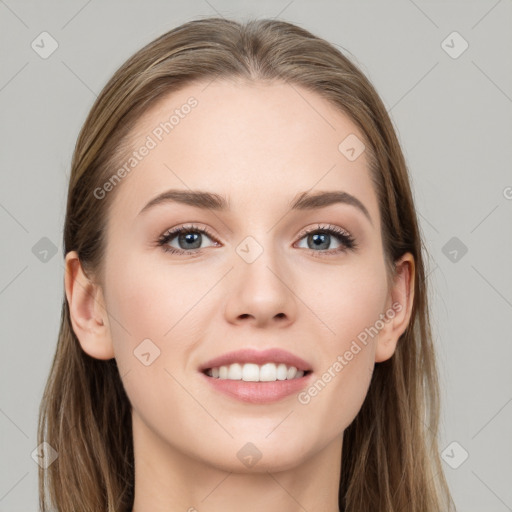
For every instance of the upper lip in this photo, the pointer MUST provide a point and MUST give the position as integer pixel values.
(248, 355)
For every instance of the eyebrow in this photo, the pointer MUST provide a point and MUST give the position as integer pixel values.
(213, 201)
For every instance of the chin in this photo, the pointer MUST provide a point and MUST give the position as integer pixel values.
(256, 455)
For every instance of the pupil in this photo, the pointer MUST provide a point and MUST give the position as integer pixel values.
(189, 238)
(319, 239)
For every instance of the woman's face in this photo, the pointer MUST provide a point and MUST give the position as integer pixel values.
(257, 280)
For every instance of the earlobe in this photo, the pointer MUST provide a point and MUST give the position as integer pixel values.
(399, 308)
(87, 311)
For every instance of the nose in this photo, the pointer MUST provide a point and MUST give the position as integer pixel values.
(261, 292)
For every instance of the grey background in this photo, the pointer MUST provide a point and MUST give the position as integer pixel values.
(453, 118)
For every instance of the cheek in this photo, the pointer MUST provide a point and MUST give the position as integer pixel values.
(350, 303)
(152, 316)
(347, 300)
(151, 301)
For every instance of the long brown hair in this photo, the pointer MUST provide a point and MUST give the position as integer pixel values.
(390, 459)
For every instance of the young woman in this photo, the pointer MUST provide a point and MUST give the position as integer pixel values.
(245, 323)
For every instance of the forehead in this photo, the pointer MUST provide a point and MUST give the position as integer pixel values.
(255, 143)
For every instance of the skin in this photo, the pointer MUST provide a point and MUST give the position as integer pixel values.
(257, 144)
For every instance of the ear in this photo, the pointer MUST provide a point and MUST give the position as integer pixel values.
(398, 308)
(89, 317)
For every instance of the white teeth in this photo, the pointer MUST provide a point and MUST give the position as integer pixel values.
(235, 372)
(282, 371)
(268, 372)
(291, 372)
(250, 372)
(223, 372)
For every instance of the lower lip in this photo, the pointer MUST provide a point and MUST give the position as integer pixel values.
(258, 392)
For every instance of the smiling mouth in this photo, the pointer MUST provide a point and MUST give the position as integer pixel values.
(251, 372)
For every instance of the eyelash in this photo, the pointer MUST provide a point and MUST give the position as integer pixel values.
(347, 241)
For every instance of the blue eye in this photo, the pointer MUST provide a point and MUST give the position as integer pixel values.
(187, 235)
(190, 238)
(320, 237)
